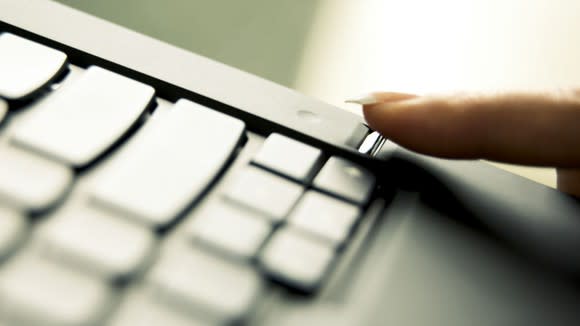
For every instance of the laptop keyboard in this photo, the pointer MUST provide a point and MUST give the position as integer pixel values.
(101, 192)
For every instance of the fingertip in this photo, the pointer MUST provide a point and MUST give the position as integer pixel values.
(373, 98)
(377, 113)
(427, 124)
(363, 99)
(387, 116)
(376, 116)
(386, 97)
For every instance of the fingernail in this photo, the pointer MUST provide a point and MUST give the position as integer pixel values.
(366, 99)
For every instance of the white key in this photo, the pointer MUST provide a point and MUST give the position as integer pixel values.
(38, 292)
(297, 261)
(268, 193)
(26, 66)
(215, 288)
(289, 157)
(230, 228)
(98, 242)
(31, 182)
(3, 110)
(324, 216)
(345, 179)
(142, 308)
(80, 121)
(12, 228)
(170, 163)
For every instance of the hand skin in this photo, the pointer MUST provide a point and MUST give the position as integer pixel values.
(524, 128)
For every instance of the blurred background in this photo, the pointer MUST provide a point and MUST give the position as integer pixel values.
(334, 49)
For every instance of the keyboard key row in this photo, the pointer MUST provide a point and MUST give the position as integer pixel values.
(170, 163)
(300, 162)
(26, 66)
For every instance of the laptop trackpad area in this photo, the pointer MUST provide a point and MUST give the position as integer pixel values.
(436, 271)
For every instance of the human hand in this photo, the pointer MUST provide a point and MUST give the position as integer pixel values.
(523, 128)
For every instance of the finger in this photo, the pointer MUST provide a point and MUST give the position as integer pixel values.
(569, 181)
(540, 128)
(380, 97)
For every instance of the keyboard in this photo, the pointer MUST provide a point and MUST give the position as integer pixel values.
(121, 207)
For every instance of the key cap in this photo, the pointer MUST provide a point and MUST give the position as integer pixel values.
(345, 179)
(324, 216)
(97, 242)
(31, 182)
(141, 308)
(230, 228)
(12, 228)
(80, 121)
(3, 110)
(26, 66)
(170, 163)
(265, 192)
(296, 261)
(289, 157)
(215, 288)
(34, 291)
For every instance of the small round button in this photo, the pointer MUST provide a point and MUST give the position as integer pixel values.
(308, 116)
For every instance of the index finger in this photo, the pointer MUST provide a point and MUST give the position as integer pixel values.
(524, 128)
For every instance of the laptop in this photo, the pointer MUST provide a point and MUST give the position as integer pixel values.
(143, 184)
